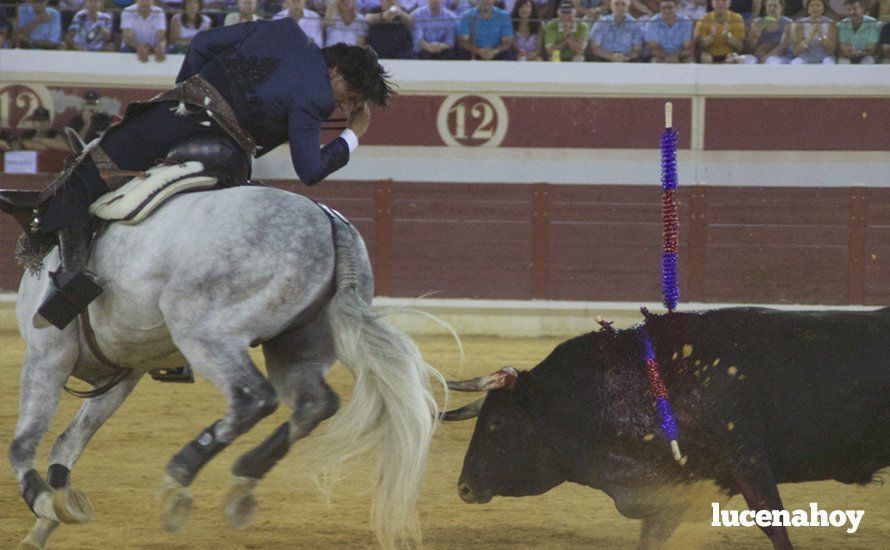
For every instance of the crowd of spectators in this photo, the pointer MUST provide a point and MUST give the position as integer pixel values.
(660, 31)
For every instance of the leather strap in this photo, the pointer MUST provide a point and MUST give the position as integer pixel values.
(120, 372)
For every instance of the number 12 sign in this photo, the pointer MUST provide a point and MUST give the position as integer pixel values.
(472, 120)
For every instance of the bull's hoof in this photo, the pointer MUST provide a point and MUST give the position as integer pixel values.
(240, 505)
(72, 506)
(178, 505)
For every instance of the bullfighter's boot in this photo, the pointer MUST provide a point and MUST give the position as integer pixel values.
(72, 287)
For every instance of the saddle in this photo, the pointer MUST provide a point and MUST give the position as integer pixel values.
(138, 198)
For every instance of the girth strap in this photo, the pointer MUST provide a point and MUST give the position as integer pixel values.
(120, 374)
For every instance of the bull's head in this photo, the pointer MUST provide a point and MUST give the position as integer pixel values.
(508, 453)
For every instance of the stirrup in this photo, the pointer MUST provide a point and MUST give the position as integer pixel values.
(21, 205)
(182, 375)
(71, 293)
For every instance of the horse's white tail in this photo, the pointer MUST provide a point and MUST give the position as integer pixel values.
(392, 408)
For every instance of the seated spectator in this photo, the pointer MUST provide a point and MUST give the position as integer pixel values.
(719, 34)
(527, 30)
(91, 122)
(246, 12)
(67, 8)
(857, 35)
(565, 38)
(90, 29)
(144, 29)
(669, 36)
(485, 32)
(434, 31)
(389, 31)
(343, 24)
(617, 37)
(815, 37)
(186, 24)
(308, 20)
(769, 37)
(884, 42)
(38, 26)
(692, 9)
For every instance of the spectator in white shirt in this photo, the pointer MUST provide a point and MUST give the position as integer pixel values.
(144, 28)
(344, 24)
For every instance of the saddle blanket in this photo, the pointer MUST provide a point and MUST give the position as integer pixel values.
(138, 198)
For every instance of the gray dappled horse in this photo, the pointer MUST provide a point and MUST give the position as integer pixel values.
(205, 277)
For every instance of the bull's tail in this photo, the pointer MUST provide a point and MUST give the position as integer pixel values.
(392, 408)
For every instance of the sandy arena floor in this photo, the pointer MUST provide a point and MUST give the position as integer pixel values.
(123, 465)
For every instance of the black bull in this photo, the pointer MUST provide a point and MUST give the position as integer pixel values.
(761, 397)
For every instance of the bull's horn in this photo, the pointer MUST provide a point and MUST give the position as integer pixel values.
(464, 413)
(493, 381)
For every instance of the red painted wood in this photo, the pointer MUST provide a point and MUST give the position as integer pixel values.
(797, 124)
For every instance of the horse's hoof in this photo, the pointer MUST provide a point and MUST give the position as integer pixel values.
(178, 504)
(72, 506)
(28, 545)
(240, 505)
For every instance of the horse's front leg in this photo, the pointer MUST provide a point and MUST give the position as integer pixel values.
(71, 444)
(49, 360)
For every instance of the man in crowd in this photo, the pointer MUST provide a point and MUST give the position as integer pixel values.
(242, 91)
(38, 26)
(720, 34)
(669, 36)
(90, 29)
(91, 122)
(617, 37)
(434, 28)
(389, 30)
(566, 37)
(857, 35)
(144, 29)
(485, 32)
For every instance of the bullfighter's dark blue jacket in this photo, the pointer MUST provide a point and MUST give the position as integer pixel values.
(276, 81)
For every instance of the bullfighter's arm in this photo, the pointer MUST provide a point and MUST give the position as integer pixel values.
(312, 163)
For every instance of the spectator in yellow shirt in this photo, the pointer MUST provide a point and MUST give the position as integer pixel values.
(720, 34)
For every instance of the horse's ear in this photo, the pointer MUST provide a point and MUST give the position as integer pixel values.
(75, 142)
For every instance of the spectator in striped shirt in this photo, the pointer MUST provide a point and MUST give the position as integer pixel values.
(90, 29)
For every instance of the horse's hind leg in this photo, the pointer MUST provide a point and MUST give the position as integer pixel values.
(250, 398)
(70, 445)
(48, 362)
(297, 362)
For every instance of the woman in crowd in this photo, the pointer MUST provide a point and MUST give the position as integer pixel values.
(186, 24)
(815, 36)
(526, 30)
(769, 37)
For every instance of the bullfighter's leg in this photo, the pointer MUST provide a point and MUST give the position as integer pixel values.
(49, 360)
(656, 530)
(250, 398)
(297, 362)
(757, 484)
(71, 443)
